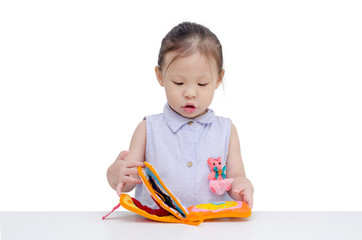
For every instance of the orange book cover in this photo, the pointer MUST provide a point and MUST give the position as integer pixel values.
(172, 210)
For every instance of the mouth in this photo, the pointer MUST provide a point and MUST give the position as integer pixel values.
(189, 108)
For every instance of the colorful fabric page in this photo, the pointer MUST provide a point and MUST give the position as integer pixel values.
(222, 209)
(160, 193)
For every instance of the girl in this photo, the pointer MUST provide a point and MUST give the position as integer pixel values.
(179, 141)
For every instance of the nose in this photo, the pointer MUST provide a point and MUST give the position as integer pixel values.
(190, 92)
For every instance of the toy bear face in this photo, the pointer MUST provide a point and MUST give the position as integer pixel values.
(214, 163)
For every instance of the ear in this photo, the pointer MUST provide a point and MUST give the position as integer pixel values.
(159, 75)
(220, 78)
(209, 161)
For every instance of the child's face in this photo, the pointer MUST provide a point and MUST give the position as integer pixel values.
(190, 83)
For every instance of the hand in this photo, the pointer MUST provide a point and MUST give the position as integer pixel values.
(242, 190)
(124, 171)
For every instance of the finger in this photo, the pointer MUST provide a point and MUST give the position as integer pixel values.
(131, 164)
(247, 196)
(251, 205)
(130, 171)
(249, 200)
(122, 155)
(119, 188)
(237, 195)
(131, 180)
(237, 191)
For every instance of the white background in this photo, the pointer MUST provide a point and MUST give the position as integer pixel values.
(78, 76)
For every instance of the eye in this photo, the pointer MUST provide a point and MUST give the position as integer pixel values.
(214, 164)
(202, 84)
(219, 163)
(178, 83)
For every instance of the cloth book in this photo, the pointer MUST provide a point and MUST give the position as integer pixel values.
(170, 207)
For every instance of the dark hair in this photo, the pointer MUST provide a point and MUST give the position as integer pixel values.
(187, 38)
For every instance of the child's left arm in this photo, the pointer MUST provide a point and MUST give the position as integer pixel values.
(241, 188)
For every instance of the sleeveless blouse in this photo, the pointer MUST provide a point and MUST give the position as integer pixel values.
(178, 148)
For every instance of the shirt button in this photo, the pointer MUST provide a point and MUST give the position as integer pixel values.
(189, 164)
(190, 123)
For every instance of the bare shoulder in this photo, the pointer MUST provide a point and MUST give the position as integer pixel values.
(234, 144)
(234, 162)
(137, 146)
(140, 132)
(233, 126)
(234, 139)
(142, 126)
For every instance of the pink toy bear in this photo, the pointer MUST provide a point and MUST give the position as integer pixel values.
(219, 184)
(215, 163)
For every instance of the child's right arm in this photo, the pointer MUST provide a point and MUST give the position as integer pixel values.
(122, 175)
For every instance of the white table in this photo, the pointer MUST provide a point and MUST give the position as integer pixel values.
(127, 225)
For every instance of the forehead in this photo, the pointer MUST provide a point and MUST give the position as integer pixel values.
(195, 63)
